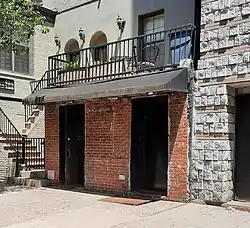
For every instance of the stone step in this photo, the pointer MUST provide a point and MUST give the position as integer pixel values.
(237, 205)
(34, 174)
(35, 112)
(27, 125)
(28, 182)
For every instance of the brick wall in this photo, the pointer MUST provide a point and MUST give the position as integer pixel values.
(107, 154)
(52, 139)
(178, 154)
(108, 141)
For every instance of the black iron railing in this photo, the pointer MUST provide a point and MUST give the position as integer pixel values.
(28, 110)
(34, 153)
(145, 53)
(13, 137)
(43, 82)
(29, 151)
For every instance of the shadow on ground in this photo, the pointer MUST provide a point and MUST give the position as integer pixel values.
(4, 188)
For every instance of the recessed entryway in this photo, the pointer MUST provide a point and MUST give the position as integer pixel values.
(149, 144)
(242, 152)
(72, 140)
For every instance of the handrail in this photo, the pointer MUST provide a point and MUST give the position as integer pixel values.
(34, 147)
(38, 83)
(12, 136)
(120, 58)
(191, 26)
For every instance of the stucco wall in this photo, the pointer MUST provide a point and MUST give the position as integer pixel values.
(92, 18)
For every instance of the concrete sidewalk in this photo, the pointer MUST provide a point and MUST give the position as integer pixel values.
(49, 208)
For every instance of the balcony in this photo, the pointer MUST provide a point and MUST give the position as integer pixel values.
(145, 54)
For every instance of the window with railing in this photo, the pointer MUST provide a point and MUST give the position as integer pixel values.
(153, 47)
(15, 62)
(7, 85)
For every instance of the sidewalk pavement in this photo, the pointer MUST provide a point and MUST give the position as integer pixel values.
(50, 208)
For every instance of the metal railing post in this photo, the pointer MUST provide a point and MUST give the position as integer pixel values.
(23, 150)
(17, 162)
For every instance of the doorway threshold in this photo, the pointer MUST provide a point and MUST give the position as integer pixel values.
(237, 205)
(147, 195)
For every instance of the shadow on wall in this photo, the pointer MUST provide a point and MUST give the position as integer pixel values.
(178, 122)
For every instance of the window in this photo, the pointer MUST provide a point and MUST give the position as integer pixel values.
(72, 48)
(180, 45)
(98, 43)
(6, 85)
(15, 62)
(100, 53)
(154, 45)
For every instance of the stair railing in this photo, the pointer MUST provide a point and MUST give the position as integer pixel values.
(13, 137)
(28, 110)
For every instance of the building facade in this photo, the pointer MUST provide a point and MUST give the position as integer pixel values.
(16, 73)
(116, 96)
(219, 169)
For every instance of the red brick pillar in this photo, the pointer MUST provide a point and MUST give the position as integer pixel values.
(52, 139)
(107, 153)
(178, 154)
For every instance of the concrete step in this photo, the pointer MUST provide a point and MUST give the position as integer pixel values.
(33, 160)
(28, 182)
(27, 148)
(27, 154)
(34, 174)
(13, 136)
(27, 125)
(4, 140)
(237, 205)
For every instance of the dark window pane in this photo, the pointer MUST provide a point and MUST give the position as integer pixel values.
(5, 60)
(22, 61)
(153, 48)
(6, 85)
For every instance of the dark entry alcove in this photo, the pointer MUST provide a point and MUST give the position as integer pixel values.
(242, 148)
(72, 140)
(149, 146)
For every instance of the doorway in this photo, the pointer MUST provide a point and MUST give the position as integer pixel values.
(149, 144)
(242, 150)
(72, 144)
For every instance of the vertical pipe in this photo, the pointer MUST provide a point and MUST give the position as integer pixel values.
(65, 143)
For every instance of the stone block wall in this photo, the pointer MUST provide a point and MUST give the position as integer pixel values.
(225, 59)
(212, 160)
(225, 39)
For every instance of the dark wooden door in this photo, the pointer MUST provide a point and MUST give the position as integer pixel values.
(149, 152)
(75, 143)
(242, 152)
